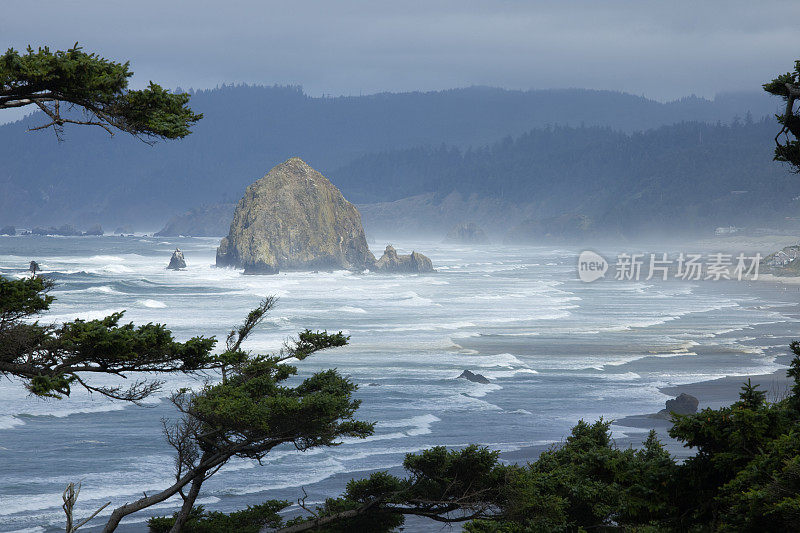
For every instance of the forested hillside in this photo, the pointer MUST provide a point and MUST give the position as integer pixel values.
(90, 178)
(688, 177)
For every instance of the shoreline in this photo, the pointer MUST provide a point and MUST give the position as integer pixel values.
(785, 280)
(631, 430)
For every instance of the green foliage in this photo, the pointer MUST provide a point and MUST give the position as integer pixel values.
(252, 409)
(51, 359)
(787, 86)
(588, 483)
(252, 406)
(745, 476)
(742, 454)
(250, 520)
(96, 85)
(23, 297)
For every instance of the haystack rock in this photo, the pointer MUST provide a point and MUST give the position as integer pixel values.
(294, 219)
(177, 262)
(390, 261)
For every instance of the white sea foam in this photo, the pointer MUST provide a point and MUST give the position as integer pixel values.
(415, 421)
(419, 401)
(83, 314)
(50, 409)
(351, 309)
(101, 289)
(152, 304)
(10, 421)
(500, 374)
(479, 390)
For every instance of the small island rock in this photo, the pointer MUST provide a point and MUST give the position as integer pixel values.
(177, 262)
(473, 377)
(8, 230)
(391, 261)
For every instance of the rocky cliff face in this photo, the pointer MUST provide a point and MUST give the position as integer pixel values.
(294, 219)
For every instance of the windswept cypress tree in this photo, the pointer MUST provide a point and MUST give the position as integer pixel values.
(73, 87)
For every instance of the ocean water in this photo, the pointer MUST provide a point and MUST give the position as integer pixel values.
(555, 349)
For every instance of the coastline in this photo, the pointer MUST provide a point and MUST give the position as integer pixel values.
(771, 278)
(632, 430)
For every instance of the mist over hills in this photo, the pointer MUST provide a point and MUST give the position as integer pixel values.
(385, 147)
(686, 178)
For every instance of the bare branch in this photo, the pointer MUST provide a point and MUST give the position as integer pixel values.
(70, 497)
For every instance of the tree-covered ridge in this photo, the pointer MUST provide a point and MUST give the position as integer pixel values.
(94, 91)
(686, 177)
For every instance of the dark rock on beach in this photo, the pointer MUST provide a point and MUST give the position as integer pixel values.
(683, 404)
(473, 377)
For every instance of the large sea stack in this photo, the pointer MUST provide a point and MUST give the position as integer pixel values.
(294, 219)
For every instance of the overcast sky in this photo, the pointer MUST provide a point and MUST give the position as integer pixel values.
(661, 49)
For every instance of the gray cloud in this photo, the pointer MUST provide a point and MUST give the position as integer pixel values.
(663, 50)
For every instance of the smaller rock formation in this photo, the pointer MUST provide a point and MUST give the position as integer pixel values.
(390, 261)
(468, 233)
(123, 230)
(8, 230)
(473, 377)
(177, 262)
(683, 404)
